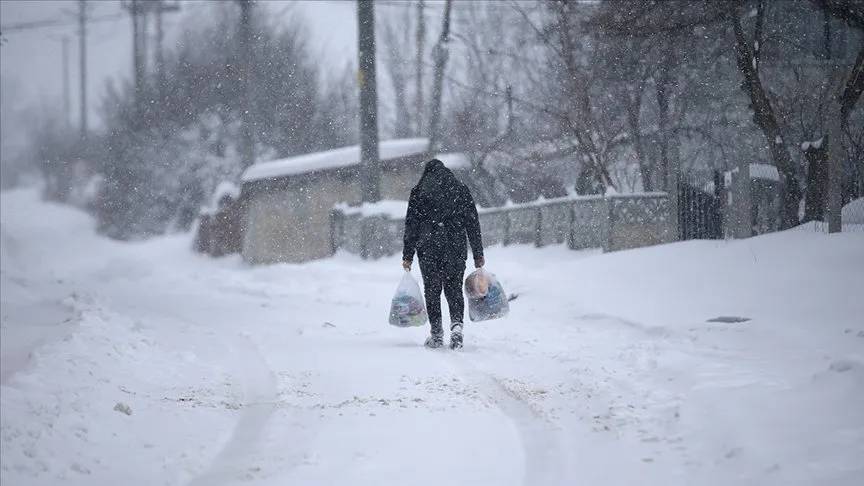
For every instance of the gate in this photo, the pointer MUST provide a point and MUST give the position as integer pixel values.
(700, 209)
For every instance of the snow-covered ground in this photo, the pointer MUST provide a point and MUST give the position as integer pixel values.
(606, 371)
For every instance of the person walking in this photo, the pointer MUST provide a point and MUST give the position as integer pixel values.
(441, 216)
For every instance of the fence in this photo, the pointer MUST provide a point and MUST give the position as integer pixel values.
(700, 208)
(612, 223)
(851, 217)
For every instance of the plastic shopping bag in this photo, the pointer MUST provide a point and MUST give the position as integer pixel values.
(407, 308)
(486, 297)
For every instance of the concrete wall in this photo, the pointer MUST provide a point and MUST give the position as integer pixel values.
(611, 223)
(290, 222)
(289, 219)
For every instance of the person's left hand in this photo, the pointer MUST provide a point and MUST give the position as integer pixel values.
(479, 262)
(406, 264)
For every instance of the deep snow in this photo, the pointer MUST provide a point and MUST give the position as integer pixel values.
(605, 372)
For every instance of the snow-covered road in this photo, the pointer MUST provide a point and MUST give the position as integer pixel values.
(606, 371)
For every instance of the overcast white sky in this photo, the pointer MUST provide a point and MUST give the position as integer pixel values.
(31, 60)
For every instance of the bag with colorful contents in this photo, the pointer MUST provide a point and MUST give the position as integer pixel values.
(486, 297)
(407, 308)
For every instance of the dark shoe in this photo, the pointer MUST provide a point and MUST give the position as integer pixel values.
(456, 336)
(434, 341)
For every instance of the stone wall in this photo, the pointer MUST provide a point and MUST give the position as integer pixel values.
(611, 223)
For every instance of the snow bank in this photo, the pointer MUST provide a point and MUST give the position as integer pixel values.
(333, 159)
(607, 370)
(853, 213)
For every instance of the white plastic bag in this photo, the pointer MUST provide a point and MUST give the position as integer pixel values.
(486, 297)
(407, 309)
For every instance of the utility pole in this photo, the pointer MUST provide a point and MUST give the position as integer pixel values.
(834, 200)
(159, 59)
(138, 12)
(137, 74)
(247, 141)
(144, 38)
(370, 165)
(82, 49)
(66, 93)
(418, 76)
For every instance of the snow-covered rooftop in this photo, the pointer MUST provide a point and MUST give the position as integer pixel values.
(333, 159)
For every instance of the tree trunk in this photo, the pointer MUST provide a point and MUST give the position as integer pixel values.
(580, 102)
(853, 87)
(633, 111)
(662, 93)
(764, 117)
(817, 182)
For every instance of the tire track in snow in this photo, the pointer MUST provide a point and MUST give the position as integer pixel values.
(544, 460)
(259, 392)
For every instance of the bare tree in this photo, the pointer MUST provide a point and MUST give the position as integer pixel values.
(396, 52)
(747, 56)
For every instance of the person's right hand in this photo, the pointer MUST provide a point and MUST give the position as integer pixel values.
(479, 262)
(406, 264)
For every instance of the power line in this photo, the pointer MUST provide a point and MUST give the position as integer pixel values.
(47, 23)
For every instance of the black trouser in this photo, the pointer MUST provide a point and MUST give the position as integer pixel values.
(438, 275)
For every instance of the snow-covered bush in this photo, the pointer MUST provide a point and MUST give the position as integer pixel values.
(168, 148)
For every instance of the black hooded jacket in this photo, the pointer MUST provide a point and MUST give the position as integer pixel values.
(441, 213)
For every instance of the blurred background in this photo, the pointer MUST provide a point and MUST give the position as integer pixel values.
(139, 109)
